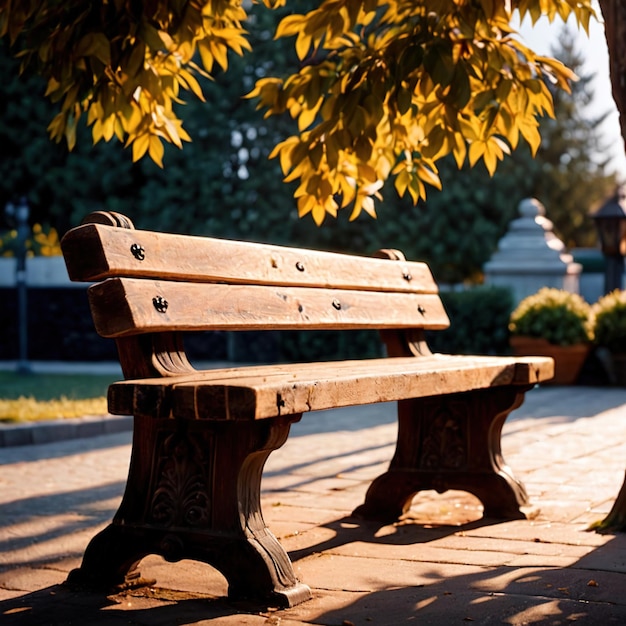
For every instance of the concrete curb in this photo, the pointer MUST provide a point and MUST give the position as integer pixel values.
(49, 431)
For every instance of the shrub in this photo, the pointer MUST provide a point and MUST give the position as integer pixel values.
(478, 322)
(558, 316)
(610, 321)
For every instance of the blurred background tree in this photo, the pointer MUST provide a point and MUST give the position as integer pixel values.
(571, 173)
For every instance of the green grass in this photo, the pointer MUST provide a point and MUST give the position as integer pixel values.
(52, 396)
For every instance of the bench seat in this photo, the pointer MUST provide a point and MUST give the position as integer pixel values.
(252, 393)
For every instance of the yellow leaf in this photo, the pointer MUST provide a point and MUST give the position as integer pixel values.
(52, 86)
(460, 150)
(491, 161)
(303, 45)
(307, 115)
(290, 25)
(191, 83)
(205, 55)
(119, 129)
(367, 172)
(140, 145)
(416, 189)
(108, 127)
(96, 132)
(70, 129)
(219, 52)
(305, 205)
(172, 131)
(530, 132)
(357, 207)
(318, 213)
(369, 207)
(156, 150)
(429, 177)
(402, 182)
(56, 127)
(476, 151)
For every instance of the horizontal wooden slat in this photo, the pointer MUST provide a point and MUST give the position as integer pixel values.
(95, 252)
(265, 391)
(125, 306)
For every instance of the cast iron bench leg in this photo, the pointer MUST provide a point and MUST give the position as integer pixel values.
(450, 442)
(193, 492)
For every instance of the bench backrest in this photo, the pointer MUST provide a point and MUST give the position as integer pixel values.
(154, 285)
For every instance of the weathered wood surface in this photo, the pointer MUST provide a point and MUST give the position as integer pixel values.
(126, 306)
(95, 251)
(260, 392)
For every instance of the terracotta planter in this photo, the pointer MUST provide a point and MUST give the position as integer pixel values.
(568, 360)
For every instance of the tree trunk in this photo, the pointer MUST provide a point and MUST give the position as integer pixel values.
(615, 521)
(614, 14)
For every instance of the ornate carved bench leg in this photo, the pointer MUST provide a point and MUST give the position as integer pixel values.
(110, 560)
(450, 442)
(193, 492)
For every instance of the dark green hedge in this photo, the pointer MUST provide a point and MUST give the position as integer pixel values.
(479, 320)
(60, 327)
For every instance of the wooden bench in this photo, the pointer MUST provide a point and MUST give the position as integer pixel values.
(201, 438)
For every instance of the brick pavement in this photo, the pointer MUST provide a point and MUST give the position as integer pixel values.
(440, 565)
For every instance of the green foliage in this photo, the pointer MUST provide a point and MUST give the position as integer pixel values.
(384, 91)
(558, 316)
(222, 183)
(478, 322)
(458, 228)
(61, 187)
(295, 346)
(388, 89)
(610, 321)
(122, 64)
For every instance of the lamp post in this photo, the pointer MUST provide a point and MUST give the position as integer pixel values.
(20, 214)
(610, 220)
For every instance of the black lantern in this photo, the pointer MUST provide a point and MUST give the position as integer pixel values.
(610, 221)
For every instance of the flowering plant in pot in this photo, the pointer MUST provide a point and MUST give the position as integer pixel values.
(556, 323)
(610, 331)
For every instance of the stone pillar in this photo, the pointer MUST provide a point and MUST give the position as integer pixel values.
(531, 256)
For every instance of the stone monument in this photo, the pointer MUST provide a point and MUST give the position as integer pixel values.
(531, 256)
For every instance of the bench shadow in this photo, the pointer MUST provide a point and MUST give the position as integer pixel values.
(21, 522)
(59, 449)
(351, 529)
(587, 592)
(62, 605)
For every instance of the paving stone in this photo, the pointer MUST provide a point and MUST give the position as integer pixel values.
(31, 579)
